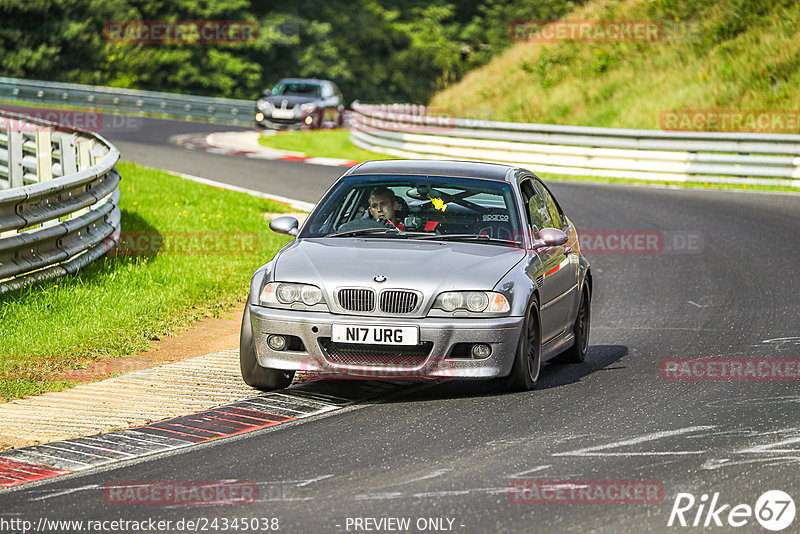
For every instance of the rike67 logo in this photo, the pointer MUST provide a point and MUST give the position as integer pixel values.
(774, 510)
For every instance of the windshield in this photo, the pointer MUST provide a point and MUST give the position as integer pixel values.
(417, 207)
(297, 88)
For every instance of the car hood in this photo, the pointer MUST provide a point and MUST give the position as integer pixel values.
(291, 100)
(430, 267)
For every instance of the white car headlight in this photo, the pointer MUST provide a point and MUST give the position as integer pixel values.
(263, 104)
(474, 301)
(311, 295)
(308, 108)
(281, 294)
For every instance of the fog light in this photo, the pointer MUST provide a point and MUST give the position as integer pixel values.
(279, 342)
(309, 119)
(481, 351)
(259, 116)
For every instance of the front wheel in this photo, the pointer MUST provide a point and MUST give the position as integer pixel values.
(528, 360)
(253, 373)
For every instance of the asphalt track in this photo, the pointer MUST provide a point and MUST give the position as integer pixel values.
(451, 450)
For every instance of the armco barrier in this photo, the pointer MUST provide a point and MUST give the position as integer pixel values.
(59, 200)
(224, 110)
(744, 158)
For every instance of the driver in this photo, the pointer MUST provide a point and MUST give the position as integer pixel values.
(383, 206)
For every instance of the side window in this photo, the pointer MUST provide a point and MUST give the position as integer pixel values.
(327, 91)
(536, 207)
(557, 221)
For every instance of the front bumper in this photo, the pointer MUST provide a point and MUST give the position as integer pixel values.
(268, 122)
(440, 334)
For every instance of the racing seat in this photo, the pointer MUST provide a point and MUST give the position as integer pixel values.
(494, 223)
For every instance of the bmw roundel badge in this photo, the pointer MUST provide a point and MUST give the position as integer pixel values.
(380, 278)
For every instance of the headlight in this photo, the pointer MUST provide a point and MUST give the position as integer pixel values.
(308, 108)
(263, 104)
(288, 294)
(282, 293)
(311, 295)
(474, 301)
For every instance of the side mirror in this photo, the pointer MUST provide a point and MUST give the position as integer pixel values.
(286, 225)
(549, 237)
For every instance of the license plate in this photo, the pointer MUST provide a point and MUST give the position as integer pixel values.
(283, 113)
(376, 335)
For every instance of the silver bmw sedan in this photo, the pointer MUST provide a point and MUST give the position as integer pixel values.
(421, 269)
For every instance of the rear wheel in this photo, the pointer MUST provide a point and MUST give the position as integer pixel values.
(253, 374)
(580, 331)
(528, 360)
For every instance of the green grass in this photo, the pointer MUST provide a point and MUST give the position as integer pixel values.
(116, 305)
(725, 55)
(320, 143)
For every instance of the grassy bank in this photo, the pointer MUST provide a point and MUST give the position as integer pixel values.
(320, 143)
(189, 251)
(726, 55)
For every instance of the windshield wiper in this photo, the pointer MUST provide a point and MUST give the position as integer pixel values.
(471, 237)
(359, 231)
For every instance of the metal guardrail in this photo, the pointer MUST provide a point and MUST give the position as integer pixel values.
(59, 199)
(746, 158)
(226, 110)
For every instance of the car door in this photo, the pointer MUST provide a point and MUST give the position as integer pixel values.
(554, 281)
(571, 270)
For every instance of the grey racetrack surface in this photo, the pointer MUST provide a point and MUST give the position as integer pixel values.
(451, 450)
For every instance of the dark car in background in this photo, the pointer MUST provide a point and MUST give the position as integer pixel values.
(300, 103)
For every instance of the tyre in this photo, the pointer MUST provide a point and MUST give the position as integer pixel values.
(528, 360)
(253, 374)
(580, 331)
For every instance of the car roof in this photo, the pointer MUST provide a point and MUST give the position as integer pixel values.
(461, 169)
(304, 80)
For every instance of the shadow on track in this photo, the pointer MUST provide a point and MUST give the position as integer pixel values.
(598, 358)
